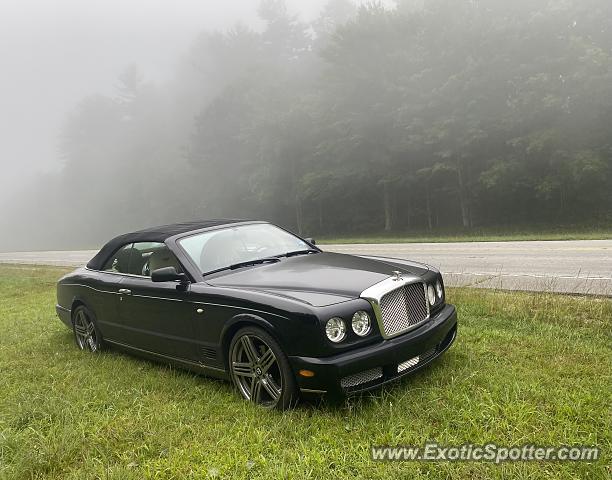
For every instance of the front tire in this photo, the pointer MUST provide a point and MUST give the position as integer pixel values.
(260, 369)
(86, 334)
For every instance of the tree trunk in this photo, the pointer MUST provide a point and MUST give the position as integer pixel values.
(387, 204)
(428, 206)
(298, 213)
(407, 214)
(463, 204)
(297, 200)
(320, 216)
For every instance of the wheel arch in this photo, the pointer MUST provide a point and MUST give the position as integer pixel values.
(78, 301)
(240, 321)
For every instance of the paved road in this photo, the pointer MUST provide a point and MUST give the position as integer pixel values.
(582, 266)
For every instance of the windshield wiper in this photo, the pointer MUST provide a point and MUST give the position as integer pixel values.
(300, 252)
(257, 261)
(246, 263)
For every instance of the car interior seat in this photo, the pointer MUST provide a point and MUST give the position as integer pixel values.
(163, 258)
(221, 250)
(121, 263)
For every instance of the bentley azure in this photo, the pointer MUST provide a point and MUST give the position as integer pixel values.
(254, 303)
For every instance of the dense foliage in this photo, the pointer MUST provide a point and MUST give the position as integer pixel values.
(435, 114)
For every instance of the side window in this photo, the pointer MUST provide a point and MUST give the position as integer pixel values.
(120, 261)
(149, 256)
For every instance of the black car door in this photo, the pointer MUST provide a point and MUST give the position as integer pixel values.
(156, 316)
(103, 293)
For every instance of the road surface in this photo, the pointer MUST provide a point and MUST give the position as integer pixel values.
(581, 266)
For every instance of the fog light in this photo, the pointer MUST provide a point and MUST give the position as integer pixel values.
(431, 294)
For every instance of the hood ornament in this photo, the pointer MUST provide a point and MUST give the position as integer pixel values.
(397, 275)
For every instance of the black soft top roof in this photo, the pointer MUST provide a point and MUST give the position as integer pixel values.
(153, 234)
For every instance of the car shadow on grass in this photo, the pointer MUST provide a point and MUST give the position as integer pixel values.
(417, 380)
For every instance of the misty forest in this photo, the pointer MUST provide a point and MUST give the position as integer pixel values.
(429, 116)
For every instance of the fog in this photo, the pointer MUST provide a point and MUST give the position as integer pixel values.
(56, 53)
(327, 117)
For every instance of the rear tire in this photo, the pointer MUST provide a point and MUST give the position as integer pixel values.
(86, 333)
(260, 369)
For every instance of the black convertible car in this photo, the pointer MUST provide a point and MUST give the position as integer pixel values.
(253, 302)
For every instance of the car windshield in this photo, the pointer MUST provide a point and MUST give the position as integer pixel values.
(237, 246)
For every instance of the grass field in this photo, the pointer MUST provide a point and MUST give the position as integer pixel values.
(526, 368)
(476, 235)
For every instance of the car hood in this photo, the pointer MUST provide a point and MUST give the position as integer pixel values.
(318, 279)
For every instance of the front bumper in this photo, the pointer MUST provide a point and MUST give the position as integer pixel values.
(374, 365)
(64, 314)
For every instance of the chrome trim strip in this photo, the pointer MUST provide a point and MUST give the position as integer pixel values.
(122, 293)
(58, 306)
(158, 298)
(241, 308)
(312, 390)
(118, 273)
(168, 357)
(375, 293)
(87, 286)
(179, 300)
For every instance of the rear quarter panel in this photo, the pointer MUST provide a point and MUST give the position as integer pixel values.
(97, 291)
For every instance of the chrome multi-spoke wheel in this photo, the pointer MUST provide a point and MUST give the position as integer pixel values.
(85, 332)
(260, 369)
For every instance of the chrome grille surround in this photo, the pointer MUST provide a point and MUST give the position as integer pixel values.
(362, 377)
(400, 304)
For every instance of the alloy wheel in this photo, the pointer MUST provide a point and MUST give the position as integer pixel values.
(255, 370)
(85, 331)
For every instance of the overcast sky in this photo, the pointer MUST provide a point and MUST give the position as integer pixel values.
(53, 53)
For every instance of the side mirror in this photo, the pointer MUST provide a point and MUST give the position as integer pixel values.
(168, 274)
(312, 241)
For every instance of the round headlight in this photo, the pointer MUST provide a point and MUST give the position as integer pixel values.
(431, 294)
(439, 289)
(335, 329)
(361, 323)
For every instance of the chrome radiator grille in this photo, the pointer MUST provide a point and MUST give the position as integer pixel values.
(403, 308)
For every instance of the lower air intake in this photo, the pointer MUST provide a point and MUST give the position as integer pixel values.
(361, 377)
(413, 362)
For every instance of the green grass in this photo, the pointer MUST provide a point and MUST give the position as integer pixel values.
(526, 368)
(476, 235)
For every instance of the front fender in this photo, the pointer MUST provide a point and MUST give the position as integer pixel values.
(292, 333)
(242, 319)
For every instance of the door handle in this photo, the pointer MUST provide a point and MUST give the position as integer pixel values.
(125, 291)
